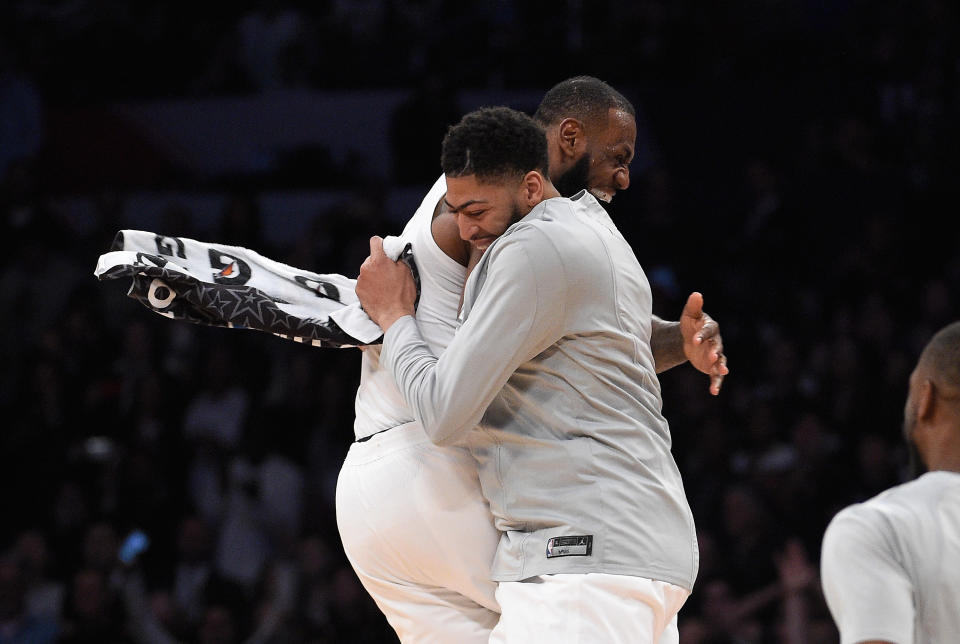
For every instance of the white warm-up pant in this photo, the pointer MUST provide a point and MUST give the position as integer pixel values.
(420, 536)
(588, 608)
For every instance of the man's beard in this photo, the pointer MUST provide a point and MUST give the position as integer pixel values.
(516, 215)
(575, 179)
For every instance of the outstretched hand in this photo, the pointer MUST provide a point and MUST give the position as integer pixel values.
(702, 343)
(385, 288)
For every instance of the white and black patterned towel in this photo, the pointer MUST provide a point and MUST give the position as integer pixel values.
(228, 286)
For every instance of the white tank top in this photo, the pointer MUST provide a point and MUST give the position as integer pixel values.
(379, 404)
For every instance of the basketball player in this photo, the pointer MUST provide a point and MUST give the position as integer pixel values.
(553, 361)
(412, 520)
(890, 567)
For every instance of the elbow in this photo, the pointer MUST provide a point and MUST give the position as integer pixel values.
(443, 434)
(442, 440)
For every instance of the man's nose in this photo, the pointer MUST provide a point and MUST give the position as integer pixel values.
(467, 228)
(621, 179)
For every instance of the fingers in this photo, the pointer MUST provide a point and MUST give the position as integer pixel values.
(694, 306)
(710, 333)
(719, 370)
(708, 358)
(376, 246)
(709, 328)
(715, 383)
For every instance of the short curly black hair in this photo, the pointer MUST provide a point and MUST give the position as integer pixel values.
(581, 97)
(494, 143)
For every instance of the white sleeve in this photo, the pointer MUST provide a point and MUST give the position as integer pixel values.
(864, 582)
(517, 314)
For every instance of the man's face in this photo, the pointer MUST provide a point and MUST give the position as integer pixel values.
(604, 167)
(484, 210)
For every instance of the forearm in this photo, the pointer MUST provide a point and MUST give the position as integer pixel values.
(444, 416)
(666, 343)
(514, 316)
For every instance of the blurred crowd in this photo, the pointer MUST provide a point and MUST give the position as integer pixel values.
(801, 176)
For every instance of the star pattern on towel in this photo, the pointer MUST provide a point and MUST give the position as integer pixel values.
(201, 301)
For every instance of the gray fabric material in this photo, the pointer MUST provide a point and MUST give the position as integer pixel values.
(553, 362)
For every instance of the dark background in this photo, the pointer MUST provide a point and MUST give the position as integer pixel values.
(797, 167)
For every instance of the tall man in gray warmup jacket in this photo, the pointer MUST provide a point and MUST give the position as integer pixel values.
(550, 382)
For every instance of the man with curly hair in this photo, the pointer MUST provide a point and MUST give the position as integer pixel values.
(550, 382)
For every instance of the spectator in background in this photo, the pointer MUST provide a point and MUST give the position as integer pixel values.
(151, 460)
(417, 127)
(263, 505)
(747, 539)
(17, 624)
(44, 593)
(213, 425)
(220, 624)
(94, 613)
(272, 47)
(22, 126)
(193, 568)
(220, 612)
(99, 548)
(315, 566)
(241, 223)
(779, 611)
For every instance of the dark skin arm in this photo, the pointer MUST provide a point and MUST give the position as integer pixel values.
(694, 337)
(447, 235)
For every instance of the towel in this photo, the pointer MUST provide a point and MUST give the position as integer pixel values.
(229, 286)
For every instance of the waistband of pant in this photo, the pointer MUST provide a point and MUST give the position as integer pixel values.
(369, 436)
(383, 431)
(382, 444)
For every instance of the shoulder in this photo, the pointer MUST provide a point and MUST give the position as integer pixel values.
(877, 509)
(867, 526)
(870, 526)
(546, 225)
(553, 232)
(851, 522)
(527, 246)
(446, 234)
(914, 497)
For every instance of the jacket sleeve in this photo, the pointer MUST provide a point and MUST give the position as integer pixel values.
(517, 313)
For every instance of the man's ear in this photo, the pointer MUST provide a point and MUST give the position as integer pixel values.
(573, 138)
(531, 188)
(926, 399)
